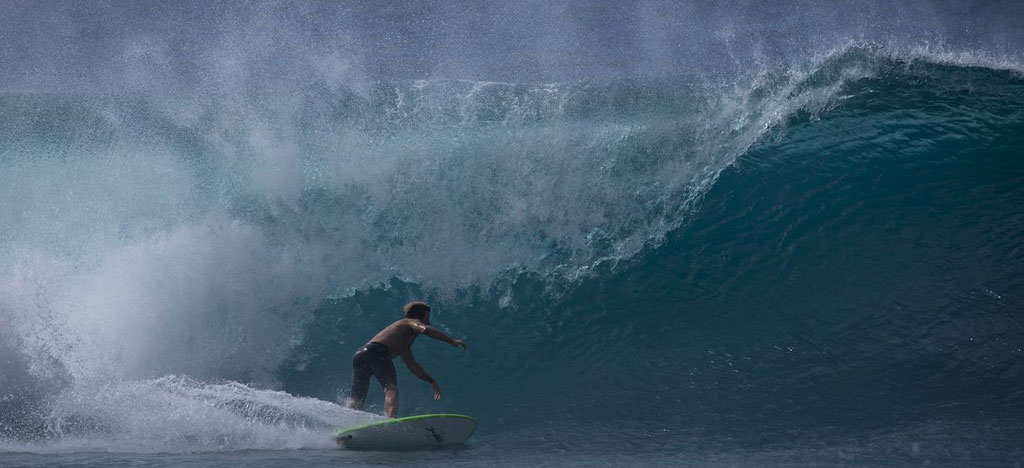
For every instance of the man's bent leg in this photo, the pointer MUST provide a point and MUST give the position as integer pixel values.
(388, 378)
(360, 382)
(357, 398)
(391, 401)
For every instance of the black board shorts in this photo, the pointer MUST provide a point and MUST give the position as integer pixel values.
(372, 359)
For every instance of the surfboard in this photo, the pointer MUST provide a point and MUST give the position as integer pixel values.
(409, 433)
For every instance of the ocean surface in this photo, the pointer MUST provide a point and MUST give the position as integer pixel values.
(810, 263)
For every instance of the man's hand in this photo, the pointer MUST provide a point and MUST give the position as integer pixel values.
(437, 391)
(457, 343)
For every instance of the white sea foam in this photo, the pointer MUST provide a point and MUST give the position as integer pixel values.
(179, 415)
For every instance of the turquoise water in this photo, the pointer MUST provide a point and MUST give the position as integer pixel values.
(864, 253)
(811, 260)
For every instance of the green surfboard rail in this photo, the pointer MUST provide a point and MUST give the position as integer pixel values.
(342, 432)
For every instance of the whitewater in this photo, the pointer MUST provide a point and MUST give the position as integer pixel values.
(672, 234)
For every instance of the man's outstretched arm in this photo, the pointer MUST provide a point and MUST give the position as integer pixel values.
(417, 370)
(438, 335)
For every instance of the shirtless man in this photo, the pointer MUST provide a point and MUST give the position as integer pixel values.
(394, 340)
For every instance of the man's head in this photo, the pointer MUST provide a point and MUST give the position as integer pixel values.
(418, 310)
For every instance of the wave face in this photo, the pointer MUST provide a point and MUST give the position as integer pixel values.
(860, 266)
(835, 245)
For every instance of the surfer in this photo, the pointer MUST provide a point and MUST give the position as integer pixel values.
(395, 340)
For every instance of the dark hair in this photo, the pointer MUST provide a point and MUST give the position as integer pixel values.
(416, 310)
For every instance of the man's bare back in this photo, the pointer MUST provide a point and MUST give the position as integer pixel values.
(398, 336)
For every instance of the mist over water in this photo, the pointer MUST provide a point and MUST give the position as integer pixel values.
(205, 207)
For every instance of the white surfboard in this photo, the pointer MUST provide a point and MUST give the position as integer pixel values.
(409, 433)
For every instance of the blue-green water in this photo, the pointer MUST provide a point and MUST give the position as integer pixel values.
(813, 261)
